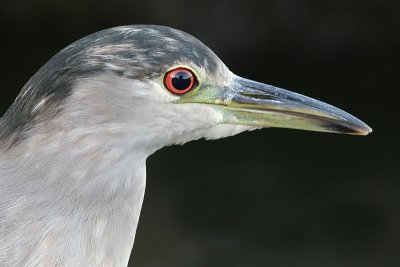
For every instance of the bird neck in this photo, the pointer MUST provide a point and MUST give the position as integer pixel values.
(73, 193)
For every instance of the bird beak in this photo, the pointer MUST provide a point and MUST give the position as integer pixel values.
(255, 104)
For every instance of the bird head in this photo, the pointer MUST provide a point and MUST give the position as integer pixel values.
(158, 86)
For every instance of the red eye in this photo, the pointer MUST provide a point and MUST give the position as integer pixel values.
(179, 81)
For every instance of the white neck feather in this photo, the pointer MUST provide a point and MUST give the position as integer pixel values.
(70, 207)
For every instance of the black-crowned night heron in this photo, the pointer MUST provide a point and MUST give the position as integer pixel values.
(74, 143)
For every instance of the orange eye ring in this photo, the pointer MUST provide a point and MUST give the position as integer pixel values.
(180, 81)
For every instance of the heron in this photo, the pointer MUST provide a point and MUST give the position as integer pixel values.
(74, 143)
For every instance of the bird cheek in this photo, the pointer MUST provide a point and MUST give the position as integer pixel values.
(200, 116)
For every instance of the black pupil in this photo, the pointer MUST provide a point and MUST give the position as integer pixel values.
(181, 80)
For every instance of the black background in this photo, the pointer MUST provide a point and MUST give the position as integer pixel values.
(265, 198)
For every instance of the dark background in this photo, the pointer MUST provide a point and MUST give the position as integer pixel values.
(265, 198)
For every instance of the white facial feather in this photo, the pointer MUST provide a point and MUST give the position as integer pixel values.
(144, 111)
